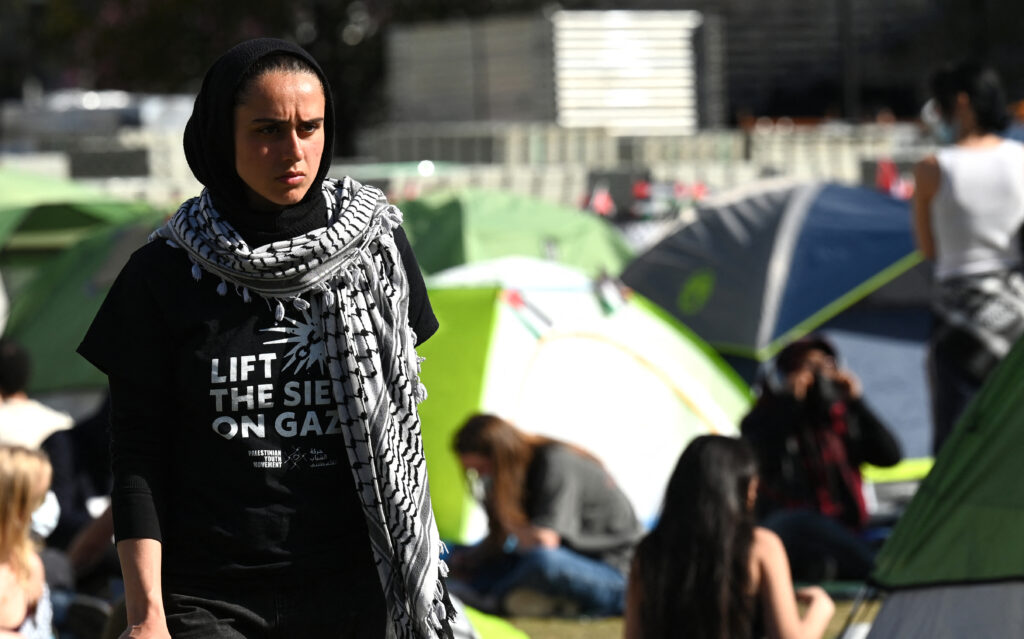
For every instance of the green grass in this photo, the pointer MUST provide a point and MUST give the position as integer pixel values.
(612, 628)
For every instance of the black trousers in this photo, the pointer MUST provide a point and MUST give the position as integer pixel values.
(820, 548)
(281, 608)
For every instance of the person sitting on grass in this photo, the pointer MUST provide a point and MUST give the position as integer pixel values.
(561, 531)
(705, 571)
(812, 430)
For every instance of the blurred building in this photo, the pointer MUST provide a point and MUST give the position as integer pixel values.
(127, 142)
(560, 87)
(627, 70)
(550, 103)
(568, 100)
(828, 58)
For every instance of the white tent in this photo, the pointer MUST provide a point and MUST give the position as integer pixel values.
(581, 360)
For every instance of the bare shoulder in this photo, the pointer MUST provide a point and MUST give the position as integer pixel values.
(35, 566)
(13, 598)
(37, 578)
(767, 549)
(927, 168)
(8, 578)
(766, 541)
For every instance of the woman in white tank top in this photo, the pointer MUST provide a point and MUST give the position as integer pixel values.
(968, 210)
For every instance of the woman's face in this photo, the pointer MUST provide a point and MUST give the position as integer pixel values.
(279, 137)
(482, 464)
(752, 487)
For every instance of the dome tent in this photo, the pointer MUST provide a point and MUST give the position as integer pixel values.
(41, 216)
(563, 355)
(954, 564)
(770, 262)
(58, 304)
(450, 228)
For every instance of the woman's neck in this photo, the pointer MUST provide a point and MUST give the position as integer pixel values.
(979, 140)
(262, 227)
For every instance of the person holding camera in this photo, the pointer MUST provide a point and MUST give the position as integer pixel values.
(812, 430)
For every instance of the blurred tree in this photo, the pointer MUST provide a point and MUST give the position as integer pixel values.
(20, 49)
(161, 45)
(165, 45)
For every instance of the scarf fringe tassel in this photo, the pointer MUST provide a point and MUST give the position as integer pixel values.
(441, 617)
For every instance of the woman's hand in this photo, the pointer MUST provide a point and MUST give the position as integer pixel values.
(847, 383)
(820, 606)
(533, 537)
(143, 598)
(156, 629)
(815, 595)
(782, 613)
(799, 382)
(463, 561)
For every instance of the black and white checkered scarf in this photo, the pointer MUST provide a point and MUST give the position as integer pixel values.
(980, 318)
(355, 269)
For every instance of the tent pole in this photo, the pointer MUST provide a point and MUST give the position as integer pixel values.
(866, 592)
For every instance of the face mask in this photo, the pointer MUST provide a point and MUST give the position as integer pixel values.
(45, 518)
(481, 487)
(944, 132)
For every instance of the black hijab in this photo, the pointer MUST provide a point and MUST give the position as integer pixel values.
(210, 146)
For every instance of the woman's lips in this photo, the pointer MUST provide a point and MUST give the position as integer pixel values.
(291, 179)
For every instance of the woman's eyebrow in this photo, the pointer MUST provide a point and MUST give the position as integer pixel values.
(283, 121)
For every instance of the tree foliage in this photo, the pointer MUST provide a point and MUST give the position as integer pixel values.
(166, 45)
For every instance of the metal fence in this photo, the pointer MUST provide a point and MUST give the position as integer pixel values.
(542, 160)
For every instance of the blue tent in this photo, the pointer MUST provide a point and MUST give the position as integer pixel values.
(766, 264)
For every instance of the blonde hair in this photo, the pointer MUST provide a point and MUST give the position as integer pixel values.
(24, 479)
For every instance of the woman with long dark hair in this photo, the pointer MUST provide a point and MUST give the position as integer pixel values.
(560, 531)
(706, 571)
(968, 211)
(269, 477)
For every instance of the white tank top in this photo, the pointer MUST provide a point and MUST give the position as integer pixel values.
(978, 209)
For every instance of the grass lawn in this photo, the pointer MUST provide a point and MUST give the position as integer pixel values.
(612, 628)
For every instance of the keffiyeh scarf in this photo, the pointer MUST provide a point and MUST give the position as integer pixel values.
(354, 267)
(980, 319)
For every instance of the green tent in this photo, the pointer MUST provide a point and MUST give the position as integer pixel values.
(51, 315)
(457, 227)
(955, 561)
(491, 627)
(560, 354)
(41, 216)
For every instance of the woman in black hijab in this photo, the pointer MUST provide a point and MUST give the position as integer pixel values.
(268, 468)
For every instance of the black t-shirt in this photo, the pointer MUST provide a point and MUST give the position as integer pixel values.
(798, 468)
(226, 444)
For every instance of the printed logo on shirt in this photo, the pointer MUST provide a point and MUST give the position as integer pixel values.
(267, 396)
(306, 338)
(266, 458)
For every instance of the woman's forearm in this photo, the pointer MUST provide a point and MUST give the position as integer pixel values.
(820, 609)
(140, 566)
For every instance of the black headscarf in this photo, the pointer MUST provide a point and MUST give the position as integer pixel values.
(210, 146)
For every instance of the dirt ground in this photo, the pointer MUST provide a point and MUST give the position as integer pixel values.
(612, 628)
